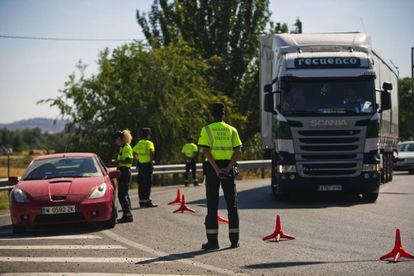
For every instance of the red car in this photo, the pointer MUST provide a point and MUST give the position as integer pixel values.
(63, 188)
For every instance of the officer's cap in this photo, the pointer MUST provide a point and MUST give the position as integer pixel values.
(118, 134)
(218, 108)
(146, 131)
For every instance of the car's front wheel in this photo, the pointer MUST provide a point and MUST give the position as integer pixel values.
(112, 221)
(19, 229)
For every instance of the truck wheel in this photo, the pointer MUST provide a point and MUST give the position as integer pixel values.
(411, 171)
(391, 167)
(278, 190)
(19, 229)
(370, 197)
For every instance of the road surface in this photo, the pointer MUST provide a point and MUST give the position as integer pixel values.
(334, 235)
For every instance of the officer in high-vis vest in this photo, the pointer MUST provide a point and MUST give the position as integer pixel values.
(190, 152)
(221, 145)
(123, 162)
(144, 152)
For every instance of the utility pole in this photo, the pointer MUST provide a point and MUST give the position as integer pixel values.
(412, 62)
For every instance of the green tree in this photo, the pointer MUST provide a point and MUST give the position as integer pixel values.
(406, 111)
(224, 32)
(165, 88)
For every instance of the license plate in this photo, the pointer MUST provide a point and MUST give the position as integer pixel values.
(329, 188)
(58, 210)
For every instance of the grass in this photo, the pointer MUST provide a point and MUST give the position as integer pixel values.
(4, 200)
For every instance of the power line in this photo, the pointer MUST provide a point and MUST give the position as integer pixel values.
(65, 38)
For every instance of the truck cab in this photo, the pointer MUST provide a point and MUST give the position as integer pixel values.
(329, 113)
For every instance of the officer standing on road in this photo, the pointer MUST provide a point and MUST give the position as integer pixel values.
(190, 152)
(144, 152)
(124, 162)
(222, 147)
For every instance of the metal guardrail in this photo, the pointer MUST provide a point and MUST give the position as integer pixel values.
(174, 169)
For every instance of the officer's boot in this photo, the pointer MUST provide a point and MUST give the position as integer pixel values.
(212, 242)
(234, 239)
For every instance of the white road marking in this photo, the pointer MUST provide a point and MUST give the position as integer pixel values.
(167, 256)
(63, 247)
(73, 260)
(61, 237)
(87, 274)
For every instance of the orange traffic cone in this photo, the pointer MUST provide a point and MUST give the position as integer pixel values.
(398, 250)
(221, 219)
(177, 199)
(184, 207)
(278, 233)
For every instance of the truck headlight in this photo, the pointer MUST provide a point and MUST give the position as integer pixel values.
(99, 191)
(371, 167)
(286, 168)
(20, 196)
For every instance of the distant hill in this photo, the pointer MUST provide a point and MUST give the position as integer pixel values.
(45, 124)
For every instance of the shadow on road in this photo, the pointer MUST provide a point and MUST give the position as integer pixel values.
(262, 198)
(179, 256)
(291, 264)
(51, 230)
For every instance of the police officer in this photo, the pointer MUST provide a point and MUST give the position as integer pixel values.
(144, 152)
(221, 145)
(124, 162)
(190, 152)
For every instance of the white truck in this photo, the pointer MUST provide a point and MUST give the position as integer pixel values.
(329, 113)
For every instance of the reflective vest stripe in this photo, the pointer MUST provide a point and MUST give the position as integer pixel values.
(234, 230)
(210, 136)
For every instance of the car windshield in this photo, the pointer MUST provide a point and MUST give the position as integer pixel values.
(62, 167)
(406, 147)
(327, 96)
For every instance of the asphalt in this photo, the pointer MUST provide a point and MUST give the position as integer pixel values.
(335, 235)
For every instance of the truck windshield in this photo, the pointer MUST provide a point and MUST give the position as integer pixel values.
(327, 96)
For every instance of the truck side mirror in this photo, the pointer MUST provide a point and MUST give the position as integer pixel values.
(268, 102)
(387, 86)
(268, 88)
(385, 100)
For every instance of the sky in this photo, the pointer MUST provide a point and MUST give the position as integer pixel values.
(32, 70)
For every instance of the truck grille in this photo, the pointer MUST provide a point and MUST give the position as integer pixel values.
(329, 152)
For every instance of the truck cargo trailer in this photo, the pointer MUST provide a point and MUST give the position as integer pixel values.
(329, 117)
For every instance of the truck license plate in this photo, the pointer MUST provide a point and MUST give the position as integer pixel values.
(58, 210)
(329, 188)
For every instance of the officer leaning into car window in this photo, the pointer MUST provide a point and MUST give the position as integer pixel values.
(221, 145)
(190, 152)
(124, 162)
(144, 152)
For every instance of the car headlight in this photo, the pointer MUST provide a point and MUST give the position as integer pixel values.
(99, 191)
(20, 196)
(286, 168)
(371, 167)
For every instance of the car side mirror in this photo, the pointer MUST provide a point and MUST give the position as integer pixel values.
(13, 180)
(114, 174)
(387, 86)
(385, 100)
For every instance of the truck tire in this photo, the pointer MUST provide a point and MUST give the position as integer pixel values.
(370, 197)
(278, 190)
(19, 229)
(391, 166)
(411, 171)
